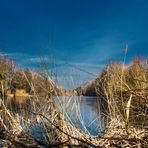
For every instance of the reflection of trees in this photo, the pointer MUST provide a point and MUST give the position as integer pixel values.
(96, 105)
(19, 105)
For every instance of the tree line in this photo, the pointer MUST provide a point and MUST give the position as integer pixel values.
(13, 77)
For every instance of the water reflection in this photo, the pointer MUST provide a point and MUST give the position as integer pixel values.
(19, 105)
(84, 112)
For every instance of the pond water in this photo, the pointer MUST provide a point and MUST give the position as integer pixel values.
(86, 113)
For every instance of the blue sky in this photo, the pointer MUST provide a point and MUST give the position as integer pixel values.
(84, 33)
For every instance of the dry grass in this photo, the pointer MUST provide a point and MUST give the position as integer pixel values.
(125, 90)
(119, 85)
(116, 135)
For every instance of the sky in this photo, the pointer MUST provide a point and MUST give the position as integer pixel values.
(79, 36)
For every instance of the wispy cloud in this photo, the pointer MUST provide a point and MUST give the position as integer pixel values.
(13, 54)
(3, 54)
(37, 59)
(86, 65)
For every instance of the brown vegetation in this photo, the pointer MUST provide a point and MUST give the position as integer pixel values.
(15, 81)
(123, 88)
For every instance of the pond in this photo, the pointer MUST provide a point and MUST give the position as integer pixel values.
(83, 112)
(86, 113)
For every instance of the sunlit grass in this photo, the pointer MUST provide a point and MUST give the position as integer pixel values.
(123, 93)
